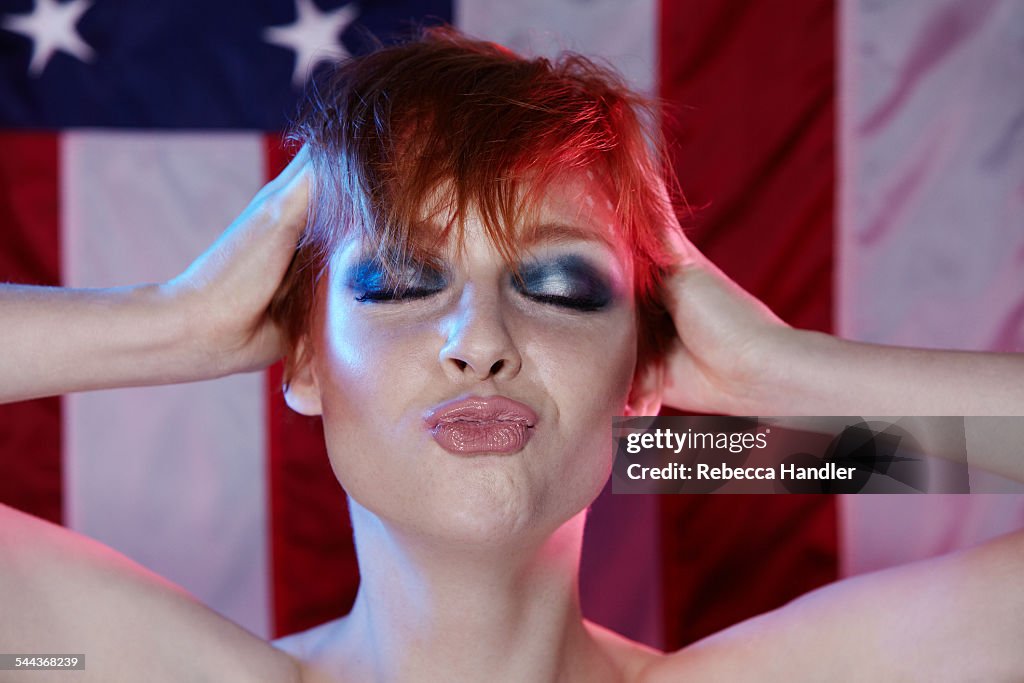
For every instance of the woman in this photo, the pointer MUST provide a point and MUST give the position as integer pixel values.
(480, 284)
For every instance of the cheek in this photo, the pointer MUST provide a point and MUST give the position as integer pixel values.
(367, 372)
(373, 379)
(588, 371)
(357, 355)
(588, 375)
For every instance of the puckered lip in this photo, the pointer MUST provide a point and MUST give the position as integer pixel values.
(480, 409)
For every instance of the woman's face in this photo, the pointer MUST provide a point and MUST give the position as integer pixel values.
(562, 343)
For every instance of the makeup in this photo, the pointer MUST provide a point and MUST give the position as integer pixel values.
(370, 280)
(568, 280)
(475, 425)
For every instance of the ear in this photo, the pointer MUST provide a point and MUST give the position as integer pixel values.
(302, 394)
(647, 390)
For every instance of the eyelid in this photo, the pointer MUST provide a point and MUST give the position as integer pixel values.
(373, 267)
(569, 280)
(372, 284)
(571, 264)
(590, 253)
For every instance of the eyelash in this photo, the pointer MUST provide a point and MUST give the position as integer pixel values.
(577, 304)
(393, 295)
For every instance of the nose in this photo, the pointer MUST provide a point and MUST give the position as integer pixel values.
(479, 346)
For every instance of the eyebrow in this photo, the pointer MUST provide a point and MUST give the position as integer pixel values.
(560, 233)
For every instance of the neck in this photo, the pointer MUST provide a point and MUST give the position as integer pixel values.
(435, 610)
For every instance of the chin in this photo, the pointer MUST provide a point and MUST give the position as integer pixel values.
(494, 508)
(508, 506)
(489, 506)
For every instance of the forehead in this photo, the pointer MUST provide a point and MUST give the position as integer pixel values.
(573, 206)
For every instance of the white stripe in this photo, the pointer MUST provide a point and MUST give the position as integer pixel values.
(950, 269)
(931, 222)
(173, 477)
(624, 33)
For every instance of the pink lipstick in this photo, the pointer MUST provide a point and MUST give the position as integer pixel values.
(492, 424)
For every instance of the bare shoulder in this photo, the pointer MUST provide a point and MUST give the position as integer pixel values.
(953, 618)
(63, 592)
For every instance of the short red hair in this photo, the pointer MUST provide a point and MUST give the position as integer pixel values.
(488, 129)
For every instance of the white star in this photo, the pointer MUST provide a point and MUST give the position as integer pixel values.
(51, 27)
(313, 36)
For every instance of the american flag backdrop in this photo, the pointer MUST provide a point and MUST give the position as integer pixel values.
(858, 165)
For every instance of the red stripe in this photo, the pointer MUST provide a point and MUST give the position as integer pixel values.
(619, 572)
(313, 567)
(30, 432)
(754, 89)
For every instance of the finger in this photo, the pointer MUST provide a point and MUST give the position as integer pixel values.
(293, 179)
(292, 191)
(265, 346)
(268, 230)
(685, 253)
(683, 250)
(686, 386)
(296, 166)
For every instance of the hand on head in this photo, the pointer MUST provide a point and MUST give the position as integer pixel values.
(225, 293)
(725, 335)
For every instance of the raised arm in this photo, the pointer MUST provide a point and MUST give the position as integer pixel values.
(64, 593)
(735, 356)
(209, 321)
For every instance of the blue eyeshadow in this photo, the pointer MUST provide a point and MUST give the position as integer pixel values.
(567, 280)
(369, 277)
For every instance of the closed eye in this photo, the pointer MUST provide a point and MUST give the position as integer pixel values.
(372, 283)
(399, 294)
(567, 281)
